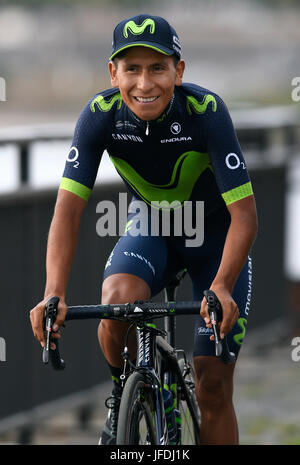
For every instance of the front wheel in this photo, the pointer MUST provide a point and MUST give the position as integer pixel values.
(188, 406)
(136, 423)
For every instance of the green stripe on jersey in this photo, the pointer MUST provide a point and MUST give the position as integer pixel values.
(238, 193)
(76, 188)
(186, 172)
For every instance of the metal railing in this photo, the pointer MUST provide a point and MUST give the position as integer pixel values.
(271, 131)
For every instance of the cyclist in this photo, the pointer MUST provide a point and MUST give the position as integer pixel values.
(169, 141)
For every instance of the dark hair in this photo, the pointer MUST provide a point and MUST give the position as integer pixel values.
(123, 52)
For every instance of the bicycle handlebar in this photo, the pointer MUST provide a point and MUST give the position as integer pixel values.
(139, 310)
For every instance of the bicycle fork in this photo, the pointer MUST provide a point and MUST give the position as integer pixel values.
(146, 361)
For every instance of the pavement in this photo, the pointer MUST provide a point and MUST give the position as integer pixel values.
(266, 398)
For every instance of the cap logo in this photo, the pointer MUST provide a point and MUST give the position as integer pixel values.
(138, 29)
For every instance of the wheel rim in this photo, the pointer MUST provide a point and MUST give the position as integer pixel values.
(141, 428)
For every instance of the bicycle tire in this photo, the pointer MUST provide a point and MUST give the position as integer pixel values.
(188, 407)
(136, 422)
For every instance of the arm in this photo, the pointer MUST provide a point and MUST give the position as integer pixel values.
(62, 241)
(234, 184)
(77, 183)
(240, 237)
(61, 248)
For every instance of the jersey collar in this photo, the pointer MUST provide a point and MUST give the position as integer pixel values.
(147, 125)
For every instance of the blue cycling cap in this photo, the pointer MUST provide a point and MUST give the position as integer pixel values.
(146, 31)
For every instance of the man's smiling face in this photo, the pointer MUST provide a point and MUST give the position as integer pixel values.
(146, 80)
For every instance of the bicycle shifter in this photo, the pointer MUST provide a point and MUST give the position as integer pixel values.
(49, 318)
(216, 316)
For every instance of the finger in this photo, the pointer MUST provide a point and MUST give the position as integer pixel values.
(36, 319)
(40, 338)
(203, 309)
(235, 317)
(225, 327)
(60, 319)
(204, 312)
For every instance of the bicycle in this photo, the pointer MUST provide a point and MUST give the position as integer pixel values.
(158, 402)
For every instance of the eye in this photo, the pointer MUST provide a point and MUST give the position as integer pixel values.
(131, 68)
(158, 67)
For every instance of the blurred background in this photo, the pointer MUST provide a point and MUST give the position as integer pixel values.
(53, 58)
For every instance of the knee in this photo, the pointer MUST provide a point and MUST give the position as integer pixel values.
(213, 392)
(112, 293)
(119, 289)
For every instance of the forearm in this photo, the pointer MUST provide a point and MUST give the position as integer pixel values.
(240, 237)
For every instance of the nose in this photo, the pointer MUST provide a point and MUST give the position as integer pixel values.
(144, 82)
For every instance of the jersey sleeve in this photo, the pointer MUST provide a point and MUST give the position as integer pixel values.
(225, 154)
(88, 144)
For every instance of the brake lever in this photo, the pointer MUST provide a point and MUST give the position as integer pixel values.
(49, 318)
(215, 312)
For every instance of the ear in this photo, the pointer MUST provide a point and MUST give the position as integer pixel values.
(113, 74)
(179, 72)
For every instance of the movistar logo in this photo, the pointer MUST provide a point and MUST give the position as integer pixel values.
(238, 338)
(186, 172)
(104, 105)
(138, 29)
(200, 107)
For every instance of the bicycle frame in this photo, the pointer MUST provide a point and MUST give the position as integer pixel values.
(148, 339)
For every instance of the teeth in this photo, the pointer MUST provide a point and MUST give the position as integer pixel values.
(144, 100)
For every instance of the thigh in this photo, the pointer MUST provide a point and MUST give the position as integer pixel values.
(149, 258)
(203, 346)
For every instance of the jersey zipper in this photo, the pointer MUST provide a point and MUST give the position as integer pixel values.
(147, 129)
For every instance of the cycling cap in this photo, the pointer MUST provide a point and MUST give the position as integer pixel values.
(146, 31)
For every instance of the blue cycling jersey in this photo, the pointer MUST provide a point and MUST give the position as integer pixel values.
(190, 152)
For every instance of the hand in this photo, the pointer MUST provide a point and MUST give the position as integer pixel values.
(229, 308)
(37, 319)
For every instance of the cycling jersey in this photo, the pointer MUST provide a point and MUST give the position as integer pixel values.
(190, 152)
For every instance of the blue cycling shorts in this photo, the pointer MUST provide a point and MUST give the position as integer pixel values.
(156, 259)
